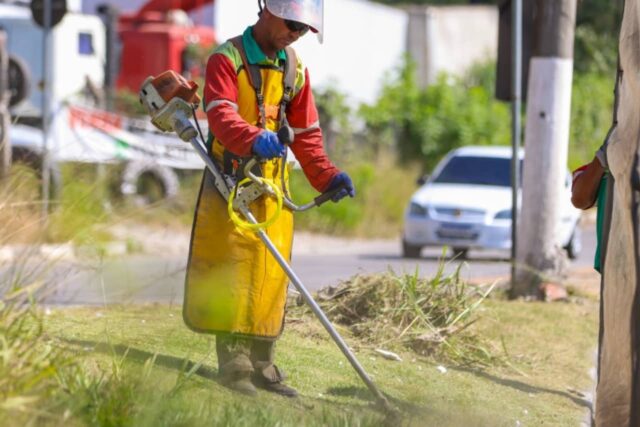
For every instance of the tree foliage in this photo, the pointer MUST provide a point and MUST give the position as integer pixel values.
(591, 115)
(335, 120)
(596, 40)
(424, 124)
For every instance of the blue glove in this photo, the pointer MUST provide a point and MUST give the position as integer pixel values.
(267, 145)
(342, 179)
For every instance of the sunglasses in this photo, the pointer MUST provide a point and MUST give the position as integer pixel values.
(296, 27)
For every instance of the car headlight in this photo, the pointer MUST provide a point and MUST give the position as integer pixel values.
(505, 214)
(417, 210)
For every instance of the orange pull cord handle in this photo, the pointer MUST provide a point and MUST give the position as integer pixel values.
(172, 85)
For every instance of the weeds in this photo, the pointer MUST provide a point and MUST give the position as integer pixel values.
(30, 361)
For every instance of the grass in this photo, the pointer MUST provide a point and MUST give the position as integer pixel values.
(89, 204)
(139, 365)
(20, 206)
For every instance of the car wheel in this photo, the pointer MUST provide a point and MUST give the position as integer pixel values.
(19, 80)
(410, 251)
(574, 247)
(460, 253)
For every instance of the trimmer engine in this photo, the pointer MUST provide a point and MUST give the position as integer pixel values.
(170, 100)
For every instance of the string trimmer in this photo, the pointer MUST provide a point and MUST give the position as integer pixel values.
(171, 102)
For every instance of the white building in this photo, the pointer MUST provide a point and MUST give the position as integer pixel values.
(450, 39)
(363, 42)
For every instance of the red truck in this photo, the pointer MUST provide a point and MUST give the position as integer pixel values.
(157, 38)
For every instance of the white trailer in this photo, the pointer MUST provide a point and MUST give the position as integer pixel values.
(78, 54)
(79, 133)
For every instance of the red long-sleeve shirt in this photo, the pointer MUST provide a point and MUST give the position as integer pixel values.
(237, 136)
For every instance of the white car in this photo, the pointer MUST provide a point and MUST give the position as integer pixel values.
(466, 204)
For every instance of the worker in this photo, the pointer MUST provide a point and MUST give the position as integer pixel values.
(235, 289)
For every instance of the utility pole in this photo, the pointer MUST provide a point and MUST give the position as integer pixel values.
(516, 131)
(109, 16)
(5, 119)
(539, 254)
(46, 106)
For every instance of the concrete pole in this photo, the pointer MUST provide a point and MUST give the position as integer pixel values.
(421, 33)
(539, 254)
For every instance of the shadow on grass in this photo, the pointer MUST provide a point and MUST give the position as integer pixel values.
(164, 360)
(433, 413)
(524, 387)
(186, 365)
(365, 395)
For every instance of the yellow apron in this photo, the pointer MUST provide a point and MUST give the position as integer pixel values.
(233, 284)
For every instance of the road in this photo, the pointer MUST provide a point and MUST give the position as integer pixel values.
(318, 261)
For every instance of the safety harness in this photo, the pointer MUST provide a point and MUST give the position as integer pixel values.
(233, 164)
(255, 79)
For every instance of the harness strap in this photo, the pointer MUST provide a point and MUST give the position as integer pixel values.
(289, 82)
(255, 79)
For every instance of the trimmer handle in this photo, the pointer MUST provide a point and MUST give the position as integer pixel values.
(328, 195)
(286, 135)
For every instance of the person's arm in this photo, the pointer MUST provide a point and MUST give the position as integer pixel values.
(221, 105)
(307, 144)
(585, 184)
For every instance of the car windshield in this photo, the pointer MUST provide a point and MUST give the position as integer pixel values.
(476, 170)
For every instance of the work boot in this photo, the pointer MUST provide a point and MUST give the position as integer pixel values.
(236, 375)
(240, 382)
(268, 377)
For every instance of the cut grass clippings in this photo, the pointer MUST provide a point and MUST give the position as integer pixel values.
(431, 316)
(140, 366)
